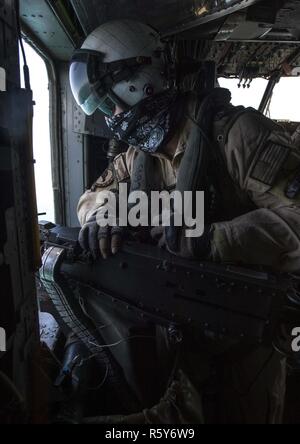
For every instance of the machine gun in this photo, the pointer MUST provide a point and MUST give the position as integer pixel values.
(144, 286)
(153, 285)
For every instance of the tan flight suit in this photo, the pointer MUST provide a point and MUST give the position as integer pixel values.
(261, 161)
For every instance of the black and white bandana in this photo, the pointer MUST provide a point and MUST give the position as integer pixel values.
(148, 124)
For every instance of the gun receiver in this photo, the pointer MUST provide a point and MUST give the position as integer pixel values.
(153, 285)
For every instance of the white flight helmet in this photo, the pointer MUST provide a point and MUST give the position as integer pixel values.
(120, 63)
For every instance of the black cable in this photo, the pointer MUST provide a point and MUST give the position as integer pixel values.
(25, 67)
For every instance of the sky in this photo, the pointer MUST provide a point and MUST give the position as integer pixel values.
(285, 105)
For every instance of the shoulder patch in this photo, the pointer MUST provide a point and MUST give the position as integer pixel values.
(121, 170)
(269, 163)
(106, 179)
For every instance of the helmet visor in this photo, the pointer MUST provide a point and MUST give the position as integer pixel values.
(86, 94)
(81, 88)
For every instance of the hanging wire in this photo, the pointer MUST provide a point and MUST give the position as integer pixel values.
(83, 308)
(101, 347)
(98, 387)
(121, 341)
(78, 362)
(25, 67)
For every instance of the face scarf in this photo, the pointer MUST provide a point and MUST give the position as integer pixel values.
(148, 124)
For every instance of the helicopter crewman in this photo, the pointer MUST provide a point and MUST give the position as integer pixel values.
(246, 164)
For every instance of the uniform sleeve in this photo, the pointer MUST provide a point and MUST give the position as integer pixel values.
(94, 198)
(264, 164)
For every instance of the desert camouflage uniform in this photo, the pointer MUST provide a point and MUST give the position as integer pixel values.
(262, 163)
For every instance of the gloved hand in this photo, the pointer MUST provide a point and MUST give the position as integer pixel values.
(98, 240)
(175, 241)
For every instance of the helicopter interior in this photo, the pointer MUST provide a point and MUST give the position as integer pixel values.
(241, 40)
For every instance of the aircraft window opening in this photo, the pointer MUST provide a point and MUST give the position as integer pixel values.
(284, 104)
(286, 99)
(2, 79)
(248, 97)
(41, 133)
